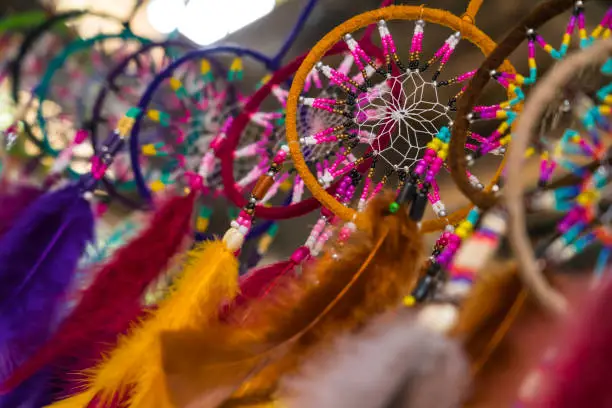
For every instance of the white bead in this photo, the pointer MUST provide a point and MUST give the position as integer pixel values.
(438, 317)
(285, 148)
(233, 239)
(543, 201)
(234, 224)
(457, 289)
(243, 230)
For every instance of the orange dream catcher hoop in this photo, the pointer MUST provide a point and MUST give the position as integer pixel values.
(463, 27)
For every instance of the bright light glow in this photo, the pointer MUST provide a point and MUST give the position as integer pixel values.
(165, 15)
(246, 12)
(207, 21)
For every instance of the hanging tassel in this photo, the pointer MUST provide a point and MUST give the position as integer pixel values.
(37, 259)
(112, 302)
(14, 199)
(134, 366)
(259, 282)
(392, 359)
(369, 275)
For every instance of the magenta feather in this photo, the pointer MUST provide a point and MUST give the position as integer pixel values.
(38, 257)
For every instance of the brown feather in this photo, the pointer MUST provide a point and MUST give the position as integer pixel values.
(375, 270)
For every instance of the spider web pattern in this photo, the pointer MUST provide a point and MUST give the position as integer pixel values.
(407, 112)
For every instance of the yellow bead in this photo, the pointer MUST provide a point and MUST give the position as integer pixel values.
(149, 150)
(157, 186)
(153, 114)
(204, 66)
(175, 83)
(409, 301)
(202, 224)
(264, 244)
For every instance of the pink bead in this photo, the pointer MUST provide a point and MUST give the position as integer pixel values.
(80, 136)
(299, 255)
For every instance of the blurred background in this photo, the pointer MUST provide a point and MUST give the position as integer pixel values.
(263, 25)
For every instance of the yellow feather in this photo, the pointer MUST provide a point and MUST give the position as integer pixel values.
(78, 401)
(209, 278)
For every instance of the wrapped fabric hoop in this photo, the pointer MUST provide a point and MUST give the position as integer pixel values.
(440, 17)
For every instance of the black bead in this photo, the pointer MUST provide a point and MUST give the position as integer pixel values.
(434, 269)
(421, 292)
(407, 193)
(418, 206)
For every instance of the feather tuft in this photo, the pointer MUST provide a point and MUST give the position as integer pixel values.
(112, 302)
(37, 259)
(134, 366)
(375, 270)
(394, 362)
(498, 291)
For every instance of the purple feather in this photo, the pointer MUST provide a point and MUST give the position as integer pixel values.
(14, 199)
(38, 257)
(35, 392)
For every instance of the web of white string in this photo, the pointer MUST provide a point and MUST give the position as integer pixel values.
(408, 108)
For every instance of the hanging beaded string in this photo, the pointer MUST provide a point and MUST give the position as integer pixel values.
(240, 227)
(63, 159)
(111, 146)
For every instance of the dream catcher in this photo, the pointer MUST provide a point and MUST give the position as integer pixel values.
(81, 66)
(575, 182)
(557, 112)
(122, 88)
(15, 30)
(174, 146)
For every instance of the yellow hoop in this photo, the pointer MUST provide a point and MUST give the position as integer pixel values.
(440, 17)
